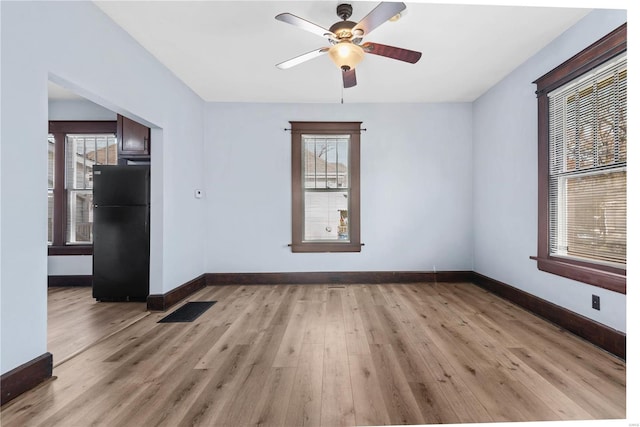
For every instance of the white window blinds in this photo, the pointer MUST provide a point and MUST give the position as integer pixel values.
(588, 166)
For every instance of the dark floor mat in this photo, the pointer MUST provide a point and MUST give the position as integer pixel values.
(188, 312)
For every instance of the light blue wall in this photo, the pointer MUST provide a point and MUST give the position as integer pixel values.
(416, 187)
(505, 178)
(78, 109)
(76, 46)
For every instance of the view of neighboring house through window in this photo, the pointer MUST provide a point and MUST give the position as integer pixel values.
(83, 152)
(325, 193)
(582, 156)
(72, 156)
(326, 187)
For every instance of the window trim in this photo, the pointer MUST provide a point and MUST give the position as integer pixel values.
(297, 200)
(59, 129)
(598, 53)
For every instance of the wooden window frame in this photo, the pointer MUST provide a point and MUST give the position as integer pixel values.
(598, 53)
(297, 191)
(59, 129)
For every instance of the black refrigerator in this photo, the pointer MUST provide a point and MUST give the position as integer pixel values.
(121, 232)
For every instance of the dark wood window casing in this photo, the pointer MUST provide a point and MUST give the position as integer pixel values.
(298, 129)
(607, 277)
(59, 130)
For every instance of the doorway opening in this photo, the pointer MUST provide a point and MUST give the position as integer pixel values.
(75, 321)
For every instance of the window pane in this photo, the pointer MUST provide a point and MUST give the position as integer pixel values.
(79, 217)
(85, 151)
(75, 162)
(596, 216)
(325, 161)
(52, 154)
(325, 215)
(50, 218)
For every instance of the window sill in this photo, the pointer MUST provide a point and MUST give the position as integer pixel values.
(71, 250)
(612, 280)
(326, 247)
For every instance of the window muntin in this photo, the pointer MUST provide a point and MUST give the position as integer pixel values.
(325, 186)
(587, 166)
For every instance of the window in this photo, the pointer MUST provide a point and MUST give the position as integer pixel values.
(51, 143)
(325, 181)
(74, 148)
(582, 138)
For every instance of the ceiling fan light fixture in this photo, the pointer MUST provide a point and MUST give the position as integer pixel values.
(346, 54)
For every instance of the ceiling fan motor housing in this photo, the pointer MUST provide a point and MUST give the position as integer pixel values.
(344, 11)
(342, 29)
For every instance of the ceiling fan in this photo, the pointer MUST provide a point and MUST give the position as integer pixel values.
(345, 37)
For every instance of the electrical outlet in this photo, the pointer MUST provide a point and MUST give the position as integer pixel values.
(595, 302)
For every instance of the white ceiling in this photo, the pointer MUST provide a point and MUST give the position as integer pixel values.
(226, 51)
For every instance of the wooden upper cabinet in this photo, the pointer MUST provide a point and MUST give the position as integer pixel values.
(134, 139)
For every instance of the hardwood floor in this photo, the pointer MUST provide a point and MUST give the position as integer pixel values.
(76, 321)
(328, 355)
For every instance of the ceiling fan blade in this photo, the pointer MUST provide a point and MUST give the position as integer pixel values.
(305, 25)
(392, 52)
(349, 78)
(302, 58)
(378, 16)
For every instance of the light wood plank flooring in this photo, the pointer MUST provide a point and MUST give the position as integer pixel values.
(323, 355)
(76, 321)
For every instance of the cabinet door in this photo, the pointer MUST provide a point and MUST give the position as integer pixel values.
(134, 138)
